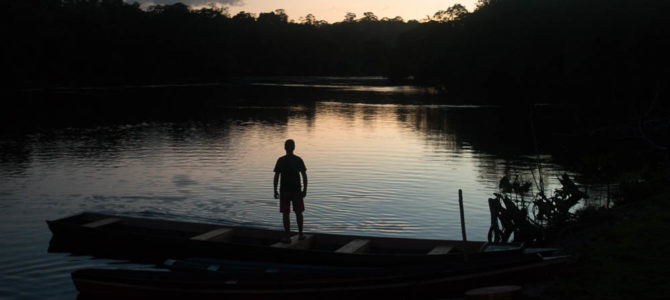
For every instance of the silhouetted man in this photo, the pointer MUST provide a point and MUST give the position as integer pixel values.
(288, 167)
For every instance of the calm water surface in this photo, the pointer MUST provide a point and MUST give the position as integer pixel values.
(374, 169)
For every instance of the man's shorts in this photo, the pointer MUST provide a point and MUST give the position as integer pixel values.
(285, 200)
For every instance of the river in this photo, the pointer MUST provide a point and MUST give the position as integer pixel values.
(374, 167)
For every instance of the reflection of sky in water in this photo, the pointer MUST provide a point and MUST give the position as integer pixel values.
(405, 89)
(389, 170)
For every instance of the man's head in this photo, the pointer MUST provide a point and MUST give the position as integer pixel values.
(289, 146)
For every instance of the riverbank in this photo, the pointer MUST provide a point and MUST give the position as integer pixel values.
(621, 253)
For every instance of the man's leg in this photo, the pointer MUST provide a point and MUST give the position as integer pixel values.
(285, 209)
(287, 227)
(298, 208)
(287, 222)
(298, 217)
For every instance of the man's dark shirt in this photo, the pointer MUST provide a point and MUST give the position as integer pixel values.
(289, 166)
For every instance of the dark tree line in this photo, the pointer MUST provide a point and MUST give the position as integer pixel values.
(545, 50)
(107, 42)
(505, 50)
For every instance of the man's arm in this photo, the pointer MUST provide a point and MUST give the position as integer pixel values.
(304, 183)
(276, 182)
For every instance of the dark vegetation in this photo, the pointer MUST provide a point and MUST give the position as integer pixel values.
(621, 252)
(512, 51)
(546, 50)
(532, 220)
(108, 42)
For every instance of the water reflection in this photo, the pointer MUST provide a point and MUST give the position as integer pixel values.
(402, 89)
(377, 169)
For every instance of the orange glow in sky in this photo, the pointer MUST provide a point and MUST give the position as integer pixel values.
(334, 11)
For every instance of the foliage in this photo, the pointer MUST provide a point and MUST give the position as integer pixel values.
(555, 210)
(451, 14)
(518, 189)
(510, 210)
(350, 17)
(369, 17)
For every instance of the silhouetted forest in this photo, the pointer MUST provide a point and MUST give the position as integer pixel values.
(505, 50)
(545, 50)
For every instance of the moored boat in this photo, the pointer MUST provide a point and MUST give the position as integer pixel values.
(154, 240)
(399, 283)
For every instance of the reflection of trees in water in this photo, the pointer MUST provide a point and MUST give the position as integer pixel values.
(105, 142)
(346, 112)
(500, 140)
(501, 144)
(15, 155)
(98, 144)
(432, 124)
(369, 113)
(483, 130)
(492, 169)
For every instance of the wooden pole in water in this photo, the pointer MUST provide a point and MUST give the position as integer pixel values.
(465, 238)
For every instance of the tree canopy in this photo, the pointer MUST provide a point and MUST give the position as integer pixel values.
(504, 49)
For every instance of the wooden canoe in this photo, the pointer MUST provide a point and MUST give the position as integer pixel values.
(243, 268)
(154, 240)
(136, 284)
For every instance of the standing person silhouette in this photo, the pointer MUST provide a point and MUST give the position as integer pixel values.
(288, 167)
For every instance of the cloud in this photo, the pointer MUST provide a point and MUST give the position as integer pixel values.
(190, 2)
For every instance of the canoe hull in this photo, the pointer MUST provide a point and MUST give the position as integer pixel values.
(129, 284)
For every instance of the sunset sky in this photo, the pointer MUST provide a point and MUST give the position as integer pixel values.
(334, 10)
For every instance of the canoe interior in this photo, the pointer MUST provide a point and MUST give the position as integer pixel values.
(177, 230)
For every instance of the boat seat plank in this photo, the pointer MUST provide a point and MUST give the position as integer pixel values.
(355, 246)
(213, 268)
(100, 223)
(440, 250)
(216, 235)
(296, 243)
